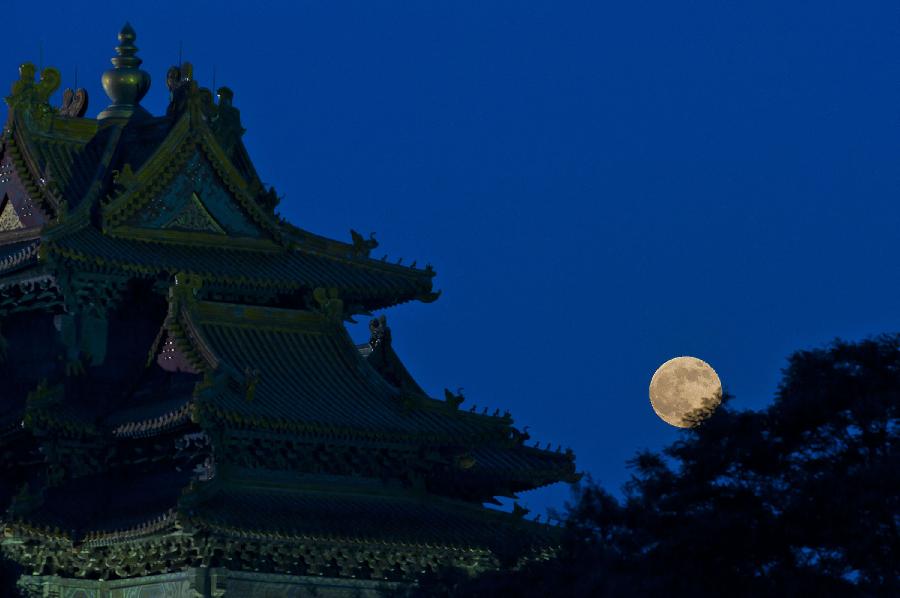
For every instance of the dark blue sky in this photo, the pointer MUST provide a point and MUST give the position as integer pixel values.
(600, 185)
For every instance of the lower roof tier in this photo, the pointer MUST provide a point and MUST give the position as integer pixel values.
(295, 525)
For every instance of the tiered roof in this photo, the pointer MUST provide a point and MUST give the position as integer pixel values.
(305, 372)
(181, 365)
(319, 525)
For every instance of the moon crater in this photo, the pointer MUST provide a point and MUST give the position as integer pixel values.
(684, 389)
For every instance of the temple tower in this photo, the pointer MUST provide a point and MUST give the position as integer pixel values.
(183, 412)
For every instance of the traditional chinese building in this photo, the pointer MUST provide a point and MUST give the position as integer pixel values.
(183, 412)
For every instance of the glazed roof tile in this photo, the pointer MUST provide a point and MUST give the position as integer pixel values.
(72, 166)
(82, 163)
(309, 371)
(66, 157)
(104, 508)
(519, 459)
(366, 517)
(521, 467)
(358, 278)
(141, 139)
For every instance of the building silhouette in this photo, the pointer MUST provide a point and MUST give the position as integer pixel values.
(183, 412)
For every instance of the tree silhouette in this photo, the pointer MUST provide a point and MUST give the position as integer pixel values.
(800, 497)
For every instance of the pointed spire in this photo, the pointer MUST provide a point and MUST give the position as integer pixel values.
(125, 84)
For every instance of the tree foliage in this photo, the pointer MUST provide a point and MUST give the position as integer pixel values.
(800, 497)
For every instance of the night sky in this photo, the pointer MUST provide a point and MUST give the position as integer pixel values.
(601, 186)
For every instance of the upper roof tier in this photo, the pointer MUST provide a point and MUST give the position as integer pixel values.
(298, 370)
(151, 195)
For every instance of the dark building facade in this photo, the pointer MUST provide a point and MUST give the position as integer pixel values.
(183, 412)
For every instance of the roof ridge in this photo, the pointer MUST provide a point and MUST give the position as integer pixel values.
(261, 314)
(10, 237)
(164, 155)
(152, 425)
(80, 218)
(347, 253)
(179, 322)
(197, 313)
(21, 154)
(189, 133)
(153, 525)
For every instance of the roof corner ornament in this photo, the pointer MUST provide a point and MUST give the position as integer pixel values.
(518, 438)
(362, 246)
(223, 118)
(429, 296)
(180, 81)
(226, 121)
(179, 76)
(269, 199)
(125, 84)
(454, 400)
(124, 178)
(329, 303)
(187, 286)
(75, 103)
(379, 332)
(33, 98)
(519, 511)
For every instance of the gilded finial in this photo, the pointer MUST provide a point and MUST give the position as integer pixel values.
(125, 84)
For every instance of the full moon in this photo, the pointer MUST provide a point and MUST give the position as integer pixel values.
(681, 386)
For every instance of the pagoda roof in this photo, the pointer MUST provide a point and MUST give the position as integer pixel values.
(105, 511)
(56, 163)
(274, 374)
(101, 185)
(362, 513)
(104, 503)
(541, 467)
(371, 283)
(306, 374)
(309, 450)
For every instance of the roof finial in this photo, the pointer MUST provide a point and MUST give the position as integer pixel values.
(125, 84)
